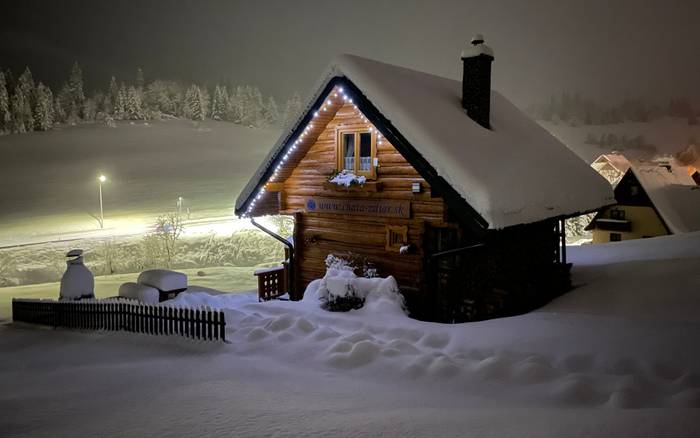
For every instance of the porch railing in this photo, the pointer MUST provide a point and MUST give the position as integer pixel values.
(271, 283)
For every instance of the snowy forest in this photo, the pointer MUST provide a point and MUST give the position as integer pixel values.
(27, 106)
(576, 110)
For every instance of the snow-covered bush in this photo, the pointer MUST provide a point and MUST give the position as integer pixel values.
(341, 290)
(341, 295)
(355, 263)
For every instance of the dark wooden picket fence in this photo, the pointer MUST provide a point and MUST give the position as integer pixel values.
(113, 315)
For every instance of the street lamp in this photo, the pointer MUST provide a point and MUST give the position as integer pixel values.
(101, 179)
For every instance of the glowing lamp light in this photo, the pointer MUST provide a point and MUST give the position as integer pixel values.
(102, 178)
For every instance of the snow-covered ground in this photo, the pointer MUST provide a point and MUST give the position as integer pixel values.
(49, 179)
(617, 356)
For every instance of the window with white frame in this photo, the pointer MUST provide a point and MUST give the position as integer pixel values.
(356, 152)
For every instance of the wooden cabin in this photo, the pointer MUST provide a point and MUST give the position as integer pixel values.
(653, 198)
(459, 200)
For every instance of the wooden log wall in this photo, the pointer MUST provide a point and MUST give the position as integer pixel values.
(319, 234)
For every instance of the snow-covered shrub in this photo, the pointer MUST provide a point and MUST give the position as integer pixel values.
(339, 263)
(341, 290)
(352, 262)
(341, 295)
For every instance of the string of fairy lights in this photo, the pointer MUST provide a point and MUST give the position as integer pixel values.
(291, 147)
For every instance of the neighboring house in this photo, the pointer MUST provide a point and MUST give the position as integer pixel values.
(694, 174)
(611, 166)
(653, 199)
(458, 194)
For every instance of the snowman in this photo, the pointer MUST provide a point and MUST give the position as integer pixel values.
(77, 282)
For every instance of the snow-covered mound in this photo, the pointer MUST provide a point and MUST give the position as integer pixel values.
(197, 297)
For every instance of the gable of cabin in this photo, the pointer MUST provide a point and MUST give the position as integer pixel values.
(392, 183)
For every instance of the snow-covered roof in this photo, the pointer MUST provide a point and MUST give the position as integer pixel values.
(673, 192)
(511, 174)
(617, 161)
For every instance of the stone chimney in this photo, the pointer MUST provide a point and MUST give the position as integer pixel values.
(476, 81)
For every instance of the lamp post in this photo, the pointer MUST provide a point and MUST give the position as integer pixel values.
(101, 179)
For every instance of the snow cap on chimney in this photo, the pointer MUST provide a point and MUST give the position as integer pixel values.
(477, 48)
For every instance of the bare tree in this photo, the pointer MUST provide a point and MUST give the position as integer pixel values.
(107, 250)
(284, 224)
(168, 230)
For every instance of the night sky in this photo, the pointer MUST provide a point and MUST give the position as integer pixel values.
(601, 48)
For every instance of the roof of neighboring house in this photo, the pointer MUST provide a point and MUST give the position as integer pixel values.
(617, 161)
(511, 174)
(673, 192)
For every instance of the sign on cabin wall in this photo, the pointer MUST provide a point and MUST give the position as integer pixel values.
(363, 207)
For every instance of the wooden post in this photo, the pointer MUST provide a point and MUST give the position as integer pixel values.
(296, 292)
(209, 324)
(563, 241)
(222, 326)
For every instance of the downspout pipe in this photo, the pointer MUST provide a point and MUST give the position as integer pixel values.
(290, 261)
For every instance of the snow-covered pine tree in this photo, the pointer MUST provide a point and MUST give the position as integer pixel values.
(205, 100)
(134, 109)
(188, 102)
(292, 108)
(271, 113)
(17, 109)
(255, 100)
(59, 105)
(215, 103)
(99, 98)
(234, 111)
(26, 85)
(26, 82)
(5, 115)
(113, 94)
(77, 95)
(219, 103)
(194, 103)
(90, 109)
(44, 110)
(120, 105)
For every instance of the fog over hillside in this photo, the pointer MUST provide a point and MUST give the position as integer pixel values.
(606, 50)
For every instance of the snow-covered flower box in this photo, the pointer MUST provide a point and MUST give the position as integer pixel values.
(346, 178)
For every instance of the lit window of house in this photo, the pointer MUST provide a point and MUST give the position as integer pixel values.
(617, 214)
(356, 152)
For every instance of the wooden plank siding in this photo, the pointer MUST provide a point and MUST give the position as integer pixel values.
(319, 234)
